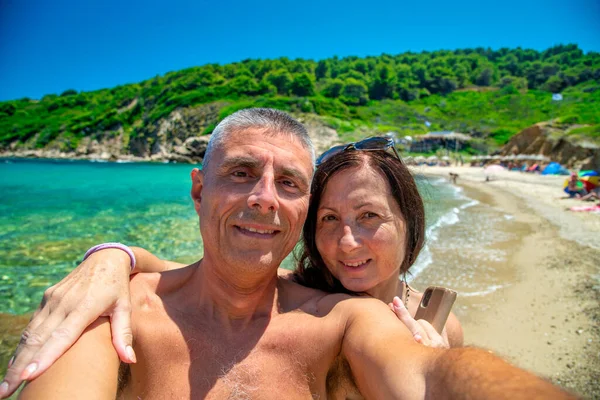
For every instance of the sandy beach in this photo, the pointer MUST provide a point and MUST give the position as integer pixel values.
(548, 319)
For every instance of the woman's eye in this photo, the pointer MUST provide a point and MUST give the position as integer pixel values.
(328, 218)
(369, 214)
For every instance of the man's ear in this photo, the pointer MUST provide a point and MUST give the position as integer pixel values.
(197, 185)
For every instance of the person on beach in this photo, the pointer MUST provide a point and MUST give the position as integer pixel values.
(453, 177)
(574, 188)
(227, 326)
(594, 194)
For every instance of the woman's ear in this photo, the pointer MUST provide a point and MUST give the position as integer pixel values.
(197, 184)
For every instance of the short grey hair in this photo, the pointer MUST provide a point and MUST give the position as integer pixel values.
(272, 121)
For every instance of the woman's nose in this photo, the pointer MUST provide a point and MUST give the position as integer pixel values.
(349, 240)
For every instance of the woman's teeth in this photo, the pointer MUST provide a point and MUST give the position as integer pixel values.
(356, 264)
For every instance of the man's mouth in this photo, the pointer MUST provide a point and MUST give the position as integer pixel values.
(257, 231)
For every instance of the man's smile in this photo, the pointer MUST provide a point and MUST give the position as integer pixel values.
(256, 231)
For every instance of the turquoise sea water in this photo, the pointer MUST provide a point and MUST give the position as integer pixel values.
(51, 212)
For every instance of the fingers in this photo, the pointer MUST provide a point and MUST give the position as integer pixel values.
(37, 332)
(122, 336)
(435, 339)
(413, 326)
(58, 342)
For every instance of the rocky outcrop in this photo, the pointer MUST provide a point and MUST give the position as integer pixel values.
(554, 142)
(179, 137)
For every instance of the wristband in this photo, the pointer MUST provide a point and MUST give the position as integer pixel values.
(119, 246)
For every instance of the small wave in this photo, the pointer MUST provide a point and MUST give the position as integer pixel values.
(450, 218)
(422, 262)
(490, 289)
(469, 204)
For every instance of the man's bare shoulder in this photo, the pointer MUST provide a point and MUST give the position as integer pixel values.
(321, 303)
(148, 286)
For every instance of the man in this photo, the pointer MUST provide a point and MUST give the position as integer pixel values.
(228, 327)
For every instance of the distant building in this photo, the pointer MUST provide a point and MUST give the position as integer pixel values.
(432, 141)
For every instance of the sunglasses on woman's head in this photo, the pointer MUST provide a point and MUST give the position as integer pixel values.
(369, 144)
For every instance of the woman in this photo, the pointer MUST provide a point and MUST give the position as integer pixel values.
(365, 228)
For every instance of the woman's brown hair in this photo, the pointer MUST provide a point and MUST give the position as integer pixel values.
(311, 271)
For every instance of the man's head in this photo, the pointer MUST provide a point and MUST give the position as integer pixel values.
(273, 122)
(252, 194)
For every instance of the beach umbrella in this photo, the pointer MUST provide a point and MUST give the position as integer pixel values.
(589, 181)
(492, 169)
(588, 172)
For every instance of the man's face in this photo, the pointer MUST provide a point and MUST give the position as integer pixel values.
(253, 198)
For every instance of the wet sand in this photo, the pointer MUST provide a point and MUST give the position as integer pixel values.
(548, 319)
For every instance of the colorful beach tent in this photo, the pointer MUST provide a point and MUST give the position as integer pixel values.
(554, 168)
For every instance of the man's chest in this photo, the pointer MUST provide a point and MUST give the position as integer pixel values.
(285, 357)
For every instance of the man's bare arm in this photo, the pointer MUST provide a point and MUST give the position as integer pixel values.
(88, 370)
(387, 363)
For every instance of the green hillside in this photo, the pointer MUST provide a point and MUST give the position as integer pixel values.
(491, 94)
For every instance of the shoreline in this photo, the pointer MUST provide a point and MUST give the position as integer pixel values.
(547, 320)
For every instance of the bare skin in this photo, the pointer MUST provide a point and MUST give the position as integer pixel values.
(424, 333)
(228, 327)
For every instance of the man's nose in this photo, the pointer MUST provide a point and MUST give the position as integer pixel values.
(350, 239)
(264, 195)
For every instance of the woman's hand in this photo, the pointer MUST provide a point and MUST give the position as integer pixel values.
(421, 330)
(99, 286)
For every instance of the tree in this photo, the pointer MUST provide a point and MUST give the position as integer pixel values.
(555, 84)
(322, 70)
(244, 84)
(68, 92)
(333, 88)
(281, 79)
(485, 76)
(355, 92)
(383, 84)
(303, 85)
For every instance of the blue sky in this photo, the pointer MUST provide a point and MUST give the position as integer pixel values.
(50, 46)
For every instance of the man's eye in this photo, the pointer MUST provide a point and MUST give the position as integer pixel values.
(240, 174)
(289, 183)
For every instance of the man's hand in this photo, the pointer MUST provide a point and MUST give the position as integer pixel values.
(99, 286)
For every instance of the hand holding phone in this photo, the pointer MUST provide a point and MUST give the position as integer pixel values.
(435, 306)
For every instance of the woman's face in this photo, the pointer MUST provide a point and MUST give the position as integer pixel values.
(360, 230)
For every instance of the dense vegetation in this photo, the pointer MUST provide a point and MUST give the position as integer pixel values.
(489, 93)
